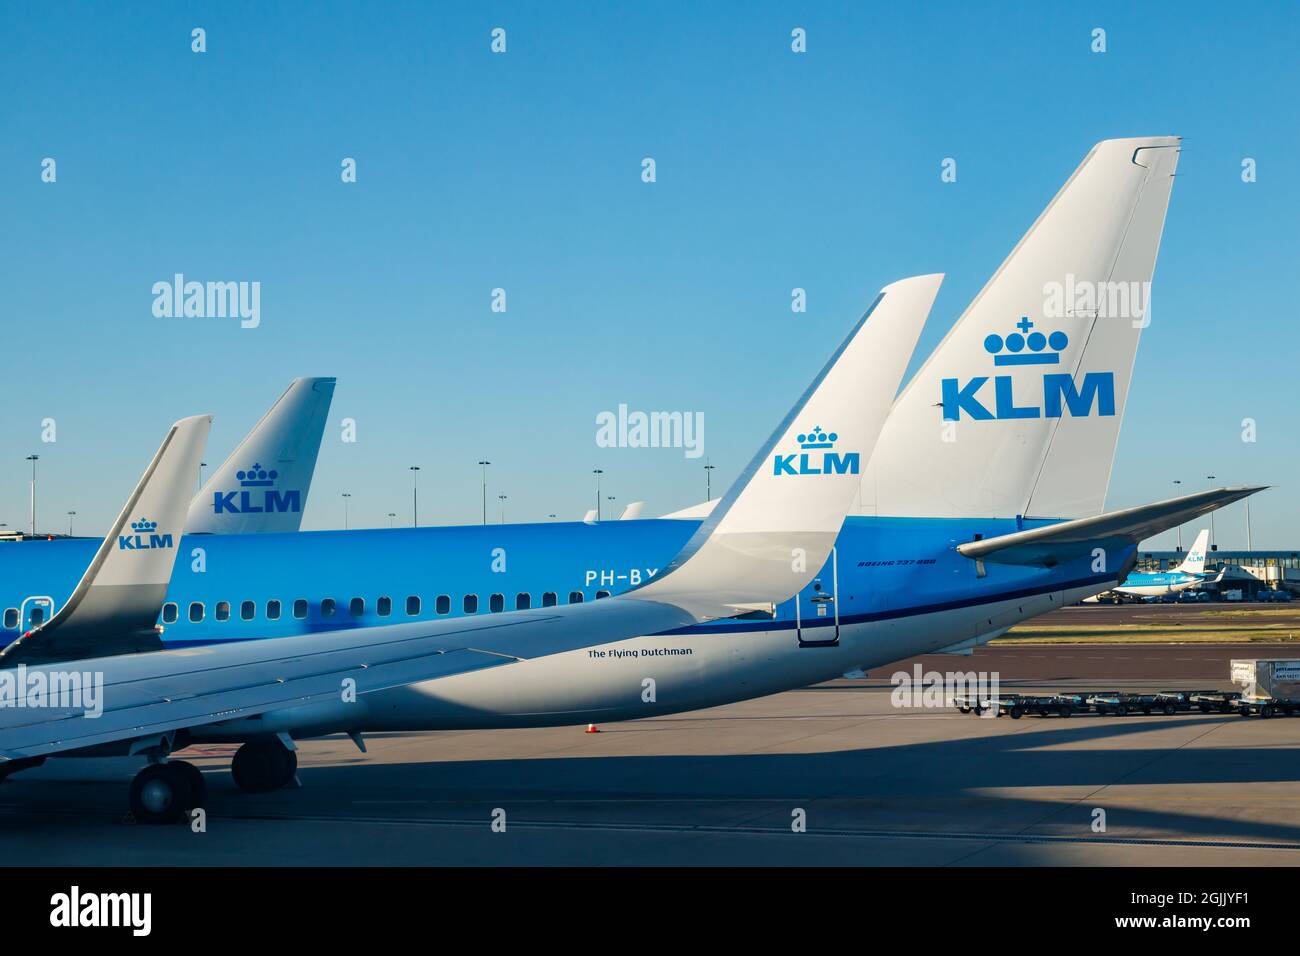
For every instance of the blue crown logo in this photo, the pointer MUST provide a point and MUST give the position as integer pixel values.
(257, 477)
(144, 526)
(1016, 343)
(817, 439)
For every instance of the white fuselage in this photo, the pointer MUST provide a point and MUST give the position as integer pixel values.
(648, 676)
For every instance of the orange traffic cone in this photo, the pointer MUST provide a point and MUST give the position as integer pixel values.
(593, 729)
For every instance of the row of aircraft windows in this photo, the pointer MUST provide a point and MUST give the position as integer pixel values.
(357, 606)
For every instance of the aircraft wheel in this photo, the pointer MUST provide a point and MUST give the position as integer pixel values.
(1170, 710)
(161, 793)
(1121, 711)
(964, 710)
(263, 765)
(198, 788)
(1015, 713)
(1066, 711)
(1266, 712)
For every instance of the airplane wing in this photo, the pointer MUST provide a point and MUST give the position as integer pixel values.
(770, 535)
(1050, 545)
(262, 487)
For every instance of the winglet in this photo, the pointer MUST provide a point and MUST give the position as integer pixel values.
(284, 444)
(115, 606)
(773, 530)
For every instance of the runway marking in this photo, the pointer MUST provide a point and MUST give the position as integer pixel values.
(782, 831)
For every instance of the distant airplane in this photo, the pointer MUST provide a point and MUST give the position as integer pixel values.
(1189, 574)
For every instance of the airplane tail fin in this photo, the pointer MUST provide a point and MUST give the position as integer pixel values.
(1194, 563)
(1018, 410)
(115, 606)
(799, 487)
(263, 485)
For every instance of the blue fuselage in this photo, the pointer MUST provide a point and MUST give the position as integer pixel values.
(237, 587)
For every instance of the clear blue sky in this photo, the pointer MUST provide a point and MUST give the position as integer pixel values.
(522, 171)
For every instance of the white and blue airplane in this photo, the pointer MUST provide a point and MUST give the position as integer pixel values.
(763, 543)
(981, 505)
(1189, 574)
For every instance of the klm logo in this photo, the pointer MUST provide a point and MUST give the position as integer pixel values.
(143, 537)
(1095, 395)
(258, 495)
(816, 457)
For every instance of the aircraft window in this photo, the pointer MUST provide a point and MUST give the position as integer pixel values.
(471, 604)
(170, 612)
(273, 610)
(38, 616)
(549, 599)
(523, 601)
(223, 610)
(443, 604)
(327, 607)
(246, 610)
(575, 597)
(11, 617)
(357, 607)
(300, 608)
(384, 606)
(196, 612)
(413, 605)
(601, 594)
(497, 603)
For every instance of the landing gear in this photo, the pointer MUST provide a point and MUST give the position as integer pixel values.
(263, 765)
(166, 792)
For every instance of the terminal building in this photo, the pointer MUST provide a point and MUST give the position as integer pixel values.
(1246, 571)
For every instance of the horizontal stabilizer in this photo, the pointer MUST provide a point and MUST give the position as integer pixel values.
(1049, 546)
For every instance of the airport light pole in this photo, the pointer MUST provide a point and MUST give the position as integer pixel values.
(708, 480)
(612, 512)
(1180, 527)
(1210, 478)
(415, 496)
(485, 464)
(392, 516)
(1249, 546)
(595, 471)
(33, 459)
(346, 496)
(503, 508)
(71, 515)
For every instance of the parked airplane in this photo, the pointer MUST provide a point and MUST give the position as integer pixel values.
(999, 522)
(764, 542)
(1189, 574)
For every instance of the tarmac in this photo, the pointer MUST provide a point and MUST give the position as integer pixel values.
(832, 774)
